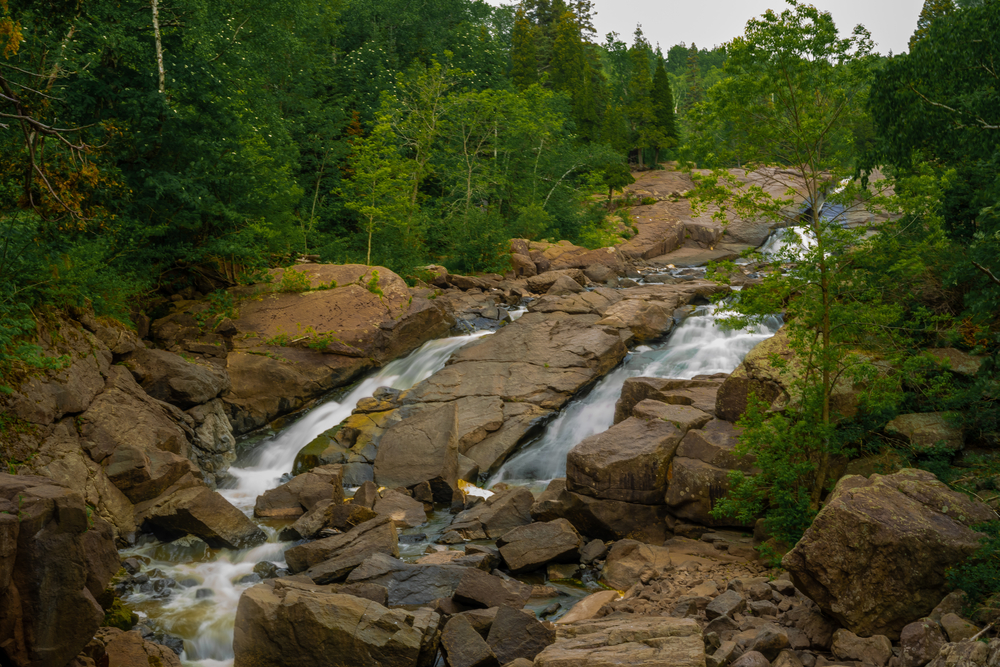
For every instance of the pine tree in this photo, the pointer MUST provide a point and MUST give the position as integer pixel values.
(639, 107)
(933, 9)
(663, 109)
(524, 56)
(694, 92)
(567, 54)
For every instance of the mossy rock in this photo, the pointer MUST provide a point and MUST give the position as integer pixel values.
(119, 616)
(310, 456)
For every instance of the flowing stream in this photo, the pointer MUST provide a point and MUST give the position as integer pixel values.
(194, 591)
(699, 346)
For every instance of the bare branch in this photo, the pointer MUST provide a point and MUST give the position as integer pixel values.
(987, 272)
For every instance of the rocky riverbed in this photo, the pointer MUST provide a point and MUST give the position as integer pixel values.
(294, 478)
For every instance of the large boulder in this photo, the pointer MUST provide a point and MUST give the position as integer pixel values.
(698, 394)
(516, 634)
(114, 647)
(421, 449)
(601, 518)
(657, 641)
(529, 547)
(628, 462)
(197, 510)
(628, 559)
(55, 560)
(699, 472)
(331, 559)
(302, 493)
(481, 589)
(926, 430)
(286, 622)
(169, 377)
(463, 645)
(875, 556)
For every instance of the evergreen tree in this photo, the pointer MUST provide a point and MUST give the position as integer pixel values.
(932, 10)
(639, 109)
(694, 93)
(523, 54)
(567, 54)
(663, 109)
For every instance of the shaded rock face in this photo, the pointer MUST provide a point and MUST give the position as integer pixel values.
(421, 449)
(648, 642)
(499, 513)
(875, 556)
(199, 511)
(529, 547)
(112, 646)
(628, 462)
(302, 493)
(601, 518)
(698, 394)
(54, 561)
(167, 377)
(331, 559)
(414, 584)
(285, 622)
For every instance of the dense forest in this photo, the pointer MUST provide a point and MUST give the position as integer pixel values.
(147, 146)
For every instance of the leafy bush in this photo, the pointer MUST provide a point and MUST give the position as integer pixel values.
(294, 281)
(979, 576)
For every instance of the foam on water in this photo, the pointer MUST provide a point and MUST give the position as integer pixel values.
(699, 346)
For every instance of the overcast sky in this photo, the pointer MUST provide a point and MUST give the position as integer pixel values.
(711, 22)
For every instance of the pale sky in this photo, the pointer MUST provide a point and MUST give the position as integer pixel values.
(711, 22)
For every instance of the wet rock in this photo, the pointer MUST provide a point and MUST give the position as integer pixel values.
(302, 493)
(204, 513)
(902, 532)
(411, 584)
(958, 629)
(266, 570)
(168, 377)
(875, 650)
(518, 634)
(628, 462)
(628, 559)
(499, 514)
(464, 647)
(404, 511)
(331, 559)
(423, 448)
(481, 589)
(285, 622)
(727, 604)
(529, 547)
(54, 562)
(642, 641)
(920, 642)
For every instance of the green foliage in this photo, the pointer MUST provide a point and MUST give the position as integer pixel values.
(979, 576)
(294, 281)
(119, 616)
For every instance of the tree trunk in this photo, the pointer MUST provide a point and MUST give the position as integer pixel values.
(159, 45)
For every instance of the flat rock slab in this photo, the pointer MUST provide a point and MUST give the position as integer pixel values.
(643, 641)
(695, 256)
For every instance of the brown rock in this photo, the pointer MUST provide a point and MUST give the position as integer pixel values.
(366, 495)
(564, 285)
(957, 628)
(529, 547)
(302, 493)
(875, 650)
(481, 589)
(499, 514)
(404, 511)
(628, 559)
(956, 360)
(628, 462)
(285, 622)
(920, 642)
(587, 607)
(901, 531)
(684, 417)
(332, 559)
(751, 659)
(464, 647)
(517, 634)
(600, 518)
(199, 511)
(129, 649)
(541, 283)
(523, 266)
(925, 430)
(423, 448)
(413, 584)
(168, 377)
(699, 394)
(327, 514)
(655, 641)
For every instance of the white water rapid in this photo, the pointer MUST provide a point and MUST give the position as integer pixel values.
(699, 346)
(202, 608)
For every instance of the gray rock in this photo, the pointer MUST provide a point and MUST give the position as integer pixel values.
(481, 589)
(464, 647)
(875, 650)
(727, 604)
(593, 550)
(920, 642)
(331, 559)
(529, 547)
(413, 584)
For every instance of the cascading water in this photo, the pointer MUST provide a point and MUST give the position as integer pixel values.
(699, 346)
(202, 607)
